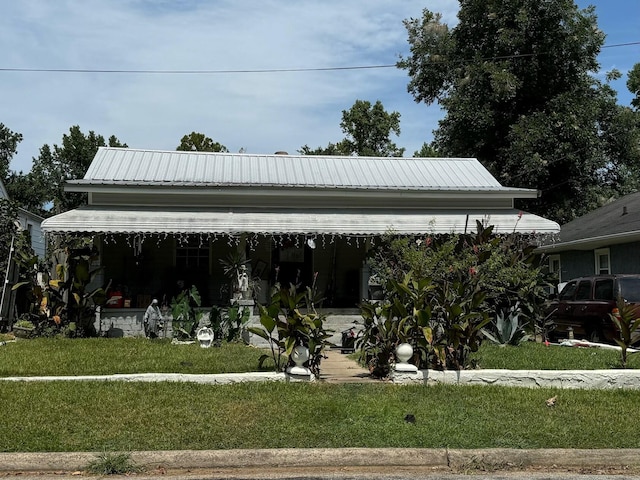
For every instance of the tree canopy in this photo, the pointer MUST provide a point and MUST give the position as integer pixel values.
(515, 80)
(8, 148)
(633, 84)
(199, 142)
(427, 150)
(368, 129)
(69, 161)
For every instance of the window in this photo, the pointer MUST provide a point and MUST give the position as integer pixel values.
(568, 291)
(603, 289)
(603, 265)
(584, 290)
(193, 253)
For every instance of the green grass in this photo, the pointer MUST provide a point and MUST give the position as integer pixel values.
(537, 356)
(123, 416)
(120, 416)
(103, 356)
(113, 463)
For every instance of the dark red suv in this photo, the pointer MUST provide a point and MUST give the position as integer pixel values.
(584, 304)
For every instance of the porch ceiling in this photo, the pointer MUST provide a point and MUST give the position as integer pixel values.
(364, 222)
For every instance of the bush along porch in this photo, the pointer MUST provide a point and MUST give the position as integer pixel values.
(442, 293)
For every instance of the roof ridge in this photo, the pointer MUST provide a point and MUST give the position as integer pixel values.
(278, 155)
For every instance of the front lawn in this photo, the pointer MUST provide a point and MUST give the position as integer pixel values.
(537, 356)
(123, 416)
(104, 356)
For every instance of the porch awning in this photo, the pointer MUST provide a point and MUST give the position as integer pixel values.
(92, 220)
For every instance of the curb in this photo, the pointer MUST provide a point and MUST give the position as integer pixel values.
(498, 458)
(562, 379)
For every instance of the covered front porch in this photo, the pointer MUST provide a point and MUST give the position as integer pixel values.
(146, 253)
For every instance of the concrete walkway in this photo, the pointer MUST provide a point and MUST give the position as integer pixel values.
(337, 367)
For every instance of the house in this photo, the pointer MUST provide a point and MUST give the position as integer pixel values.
(163, 219)
(606, 240)
(30, 222)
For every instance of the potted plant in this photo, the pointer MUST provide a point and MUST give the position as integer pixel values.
(23, 328)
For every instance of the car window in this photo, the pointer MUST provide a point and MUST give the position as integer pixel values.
(568, 291)
(630, 289)
(584, 290)
(603, 289)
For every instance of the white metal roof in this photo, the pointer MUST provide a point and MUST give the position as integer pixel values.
(124, 166)
(290, 221)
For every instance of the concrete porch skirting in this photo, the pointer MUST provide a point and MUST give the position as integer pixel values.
(583, 379)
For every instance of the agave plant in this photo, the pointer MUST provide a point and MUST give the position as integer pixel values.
(507, 329)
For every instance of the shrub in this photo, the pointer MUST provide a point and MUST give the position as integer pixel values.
(438, 291)
(505, 267)
(64, 301)
(285, 326)
(228, 324)
(185, 317)
(441, 320)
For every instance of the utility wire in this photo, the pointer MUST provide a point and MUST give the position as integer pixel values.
(266, 70)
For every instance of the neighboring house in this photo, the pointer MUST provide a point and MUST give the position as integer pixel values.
(30, 222)
(163, 217)
(606, 240)
(33, 224)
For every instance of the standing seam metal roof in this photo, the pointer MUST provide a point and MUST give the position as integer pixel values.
(132, 166)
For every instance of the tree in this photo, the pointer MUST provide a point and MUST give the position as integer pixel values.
(70, 161)
(368, 129)
(8, 229)
(427, 150)
(198, 142)
(27, 191)
(331, 149)
(8, 148)
(633, 84)
(514, 79)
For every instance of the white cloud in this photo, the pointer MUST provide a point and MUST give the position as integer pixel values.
(262, 112)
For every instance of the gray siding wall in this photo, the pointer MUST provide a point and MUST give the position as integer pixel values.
(576, 263)
(624, 258)
(37, 237)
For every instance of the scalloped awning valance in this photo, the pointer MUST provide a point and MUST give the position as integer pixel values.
(367, 222)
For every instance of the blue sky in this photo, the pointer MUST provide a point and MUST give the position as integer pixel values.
(260, 112)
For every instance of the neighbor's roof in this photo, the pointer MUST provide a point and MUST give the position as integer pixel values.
(125, 166)
(616, 222)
